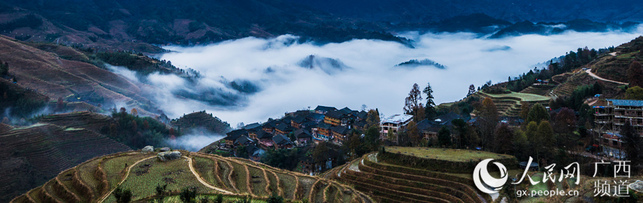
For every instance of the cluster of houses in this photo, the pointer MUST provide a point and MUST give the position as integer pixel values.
(296, 129)
(610, 115)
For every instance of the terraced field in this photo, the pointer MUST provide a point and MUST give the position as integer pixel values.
(388, 182)
(509, 104)
(34, 154)
(96, 179)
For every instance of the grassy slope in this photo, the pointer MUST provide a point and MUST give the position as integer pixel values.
(457, 155)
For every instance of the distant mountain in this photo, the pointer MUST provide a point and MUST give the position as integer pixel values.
(328, 65)
(106, 22)
(424, 62)
(398, 11)
(201, 121)
(137, 24)
(579, 25)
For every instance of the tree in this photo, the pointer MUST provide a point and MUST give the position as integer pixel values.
(504, 135)
(413, 134)
(472, 137)
(429, 109)
(444, 136)
(275, 198)
(160, 192)
(372, 118)
(460, 127)
(472, 89)
(188, 195)
(60, 104)
(245, 199)
(4, 68)
(219, 198)
(635, 93)
(372, 138)
(412, 103)
(535, 142)
(487, 120)
(524, 109)
(354, 146)
(537, 113)
(565, 121)
(123, 196)
(242, 151)
(320, 153)
(635, 74)
(520, 145)
(546, 135)
(633, 144)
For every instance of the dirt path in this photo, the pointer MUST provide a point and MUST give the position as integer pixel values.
(198, 177)
(102, 199)
(589, 71)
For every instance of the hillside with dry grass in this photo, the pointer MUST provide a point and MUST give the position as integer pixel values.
(51, 75)
(614, 66)
(33, 154)
(95, 180)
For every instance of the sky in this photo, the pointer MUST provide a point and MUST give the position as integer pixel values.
(368, 74)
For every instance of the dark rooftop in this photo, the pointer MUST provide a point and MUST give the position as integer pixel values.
(340, 129)
(619, 102)
(281, 139)
(325, 108)
(233, 135)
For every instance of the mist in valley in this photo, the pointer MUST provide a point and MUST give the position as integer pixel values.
(251, 79)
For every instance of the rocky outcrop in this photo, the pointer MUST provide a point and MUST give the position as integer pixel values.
(147, 148)
(167, 156)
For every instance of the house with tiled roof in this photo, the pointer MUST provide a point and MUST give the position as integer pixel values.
(232, 136)
(340, 133)
(269, 126)
(303, 136)
(333, 118)
(282, 142)
(243, 141)
(283, 128)
(265, 139)
(322, 132)
(297, 121)
(324, 109)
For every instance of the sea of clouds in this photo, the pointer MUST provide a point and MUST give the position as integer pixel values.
(367, 72)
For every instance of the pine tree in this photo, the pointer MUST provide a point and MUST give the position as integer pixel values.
(429, 109)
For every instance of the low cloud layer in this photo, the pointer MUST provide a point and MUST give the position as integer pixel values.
(372, 78)
(193, 142)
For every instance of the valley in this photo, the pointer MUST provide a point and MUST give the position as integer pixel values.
(309, 101)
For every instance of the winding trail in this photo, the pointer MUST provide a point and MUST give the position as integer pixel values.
(189, 160)
(589, 71)
(102, 199)
(198, 177)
